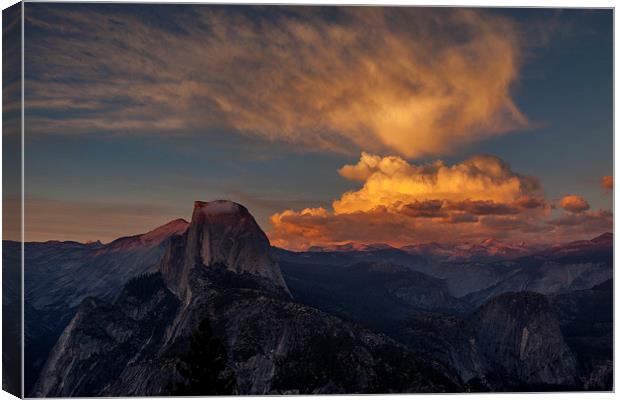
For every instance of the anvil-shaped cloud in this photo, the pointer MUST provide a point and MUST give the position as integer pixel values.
(408, 81)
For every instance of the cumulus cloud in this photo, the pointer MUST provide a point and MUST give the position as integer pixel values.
(400, 202)
(607, 182)
(403, 203)
(408, 81)
(392, 181)
(574, 204)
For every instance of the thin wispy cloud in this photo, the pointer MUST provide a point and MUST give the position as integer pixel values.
(413, 82)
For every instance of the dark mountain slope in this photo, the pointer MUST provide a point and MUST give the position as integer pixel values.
(11, 318)
(274, 344)
(586, 320)
(59, 275)
(521, 337)
(348, 257)
(375, 294)
(512, 342)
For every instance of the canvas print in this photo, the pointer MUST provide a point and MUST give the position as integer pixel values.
(214, 200)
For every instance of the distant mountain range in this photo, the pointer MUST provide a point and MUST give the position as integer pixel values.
(483, 251)
(115, 319)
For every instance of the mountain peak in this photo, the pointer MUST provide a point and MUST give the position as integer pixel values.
(149, 239)
(491, 242)
(222, 233)
(606, 237)
(350, 246)
(174, 227)
(219, 207)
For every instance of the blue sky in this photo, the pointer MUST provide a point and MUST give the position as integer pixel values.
(93, 140)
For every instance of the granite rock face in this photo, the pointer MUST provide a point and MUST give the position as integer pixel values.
(586, 320)
(60, 275)
(521, 338)
(512, 342)
(221, 233)
(109, 345)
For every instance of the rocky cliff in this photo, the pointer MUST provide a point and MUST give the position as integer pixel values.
(513, 342)
(520, 337)
(59, 275)
(586, 320)
(220, 233)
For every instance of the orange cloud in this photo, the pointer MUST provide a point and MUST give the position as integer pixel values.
(408, 81)
(301, 230)
(607, 182)
(575, 204)
(402, 203)
(391, 182)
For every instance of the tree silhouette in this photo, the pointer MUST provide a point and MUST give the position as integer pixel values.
(203, 365)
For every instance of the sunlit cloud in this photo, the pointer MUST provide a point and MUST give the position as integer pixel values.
(392, 181)
(607, 183)
(402, 203)
(574, 204)
(408, 81)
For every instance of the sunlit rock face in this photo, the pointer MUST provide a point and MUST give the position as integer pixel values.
(150, 239)
(221, 233)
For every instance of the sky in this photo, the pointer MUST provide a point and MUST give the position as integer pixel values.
(330, 124)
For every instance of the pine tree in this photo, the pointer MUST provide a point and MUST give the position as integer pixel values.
(203, 365)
